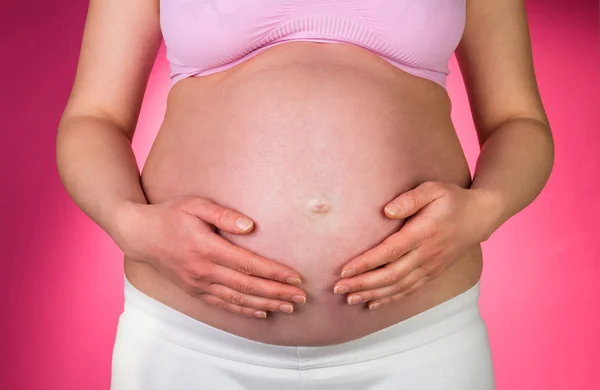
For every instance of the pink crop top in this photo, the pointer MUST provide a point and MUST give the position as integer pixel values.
(206, 36)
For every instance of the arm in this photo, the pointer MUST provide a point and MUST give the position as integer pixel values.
(93, 146)
(517, 155)
(517, 148)
(97, 167)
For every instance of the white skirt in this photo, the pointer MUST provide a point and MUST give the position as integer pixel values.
(443, 348)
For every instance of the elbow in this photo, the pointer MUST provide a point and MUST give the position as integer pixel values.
(545, 146)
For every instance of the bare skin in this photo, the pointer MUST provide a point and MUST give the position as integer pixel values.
(310, 141)
(364, 132)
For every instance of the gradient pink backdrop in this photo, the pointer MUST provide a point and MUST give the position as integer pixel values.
(62, 275)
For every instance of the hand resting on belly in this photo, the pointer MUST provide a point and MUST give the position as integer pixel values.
(178, 238)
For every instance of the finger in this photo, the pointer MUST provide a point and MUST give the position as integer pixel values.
(253, 285)
(240, 299)
(380, 293)
(392, 248)
(411, 290)
(388, 275)
(245, 261)
(221, 304)
(224, 218)
(409, 202)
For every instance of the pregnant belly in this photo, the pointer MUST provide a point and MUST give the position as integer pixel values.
(311, 145)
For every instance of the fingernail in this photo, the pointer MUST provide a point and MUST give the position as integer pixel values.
(340, 289)
(347, 273)
(299, 299)
(392, 209)
(286, 308)
(243, 223)
(354, 299)
(260, 314)
(375, 306)
(292, 280)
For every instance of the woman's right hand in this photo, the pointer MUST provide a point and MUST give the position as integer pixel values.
(178, 237)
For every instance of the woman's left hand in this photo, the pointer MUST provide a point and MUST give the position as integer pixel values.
(447, 220)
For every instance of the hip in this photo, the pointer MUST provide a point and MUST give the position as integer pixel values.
(328, 316)
(160, 348)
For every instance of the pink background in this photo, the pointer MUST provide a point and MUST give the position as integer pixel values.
(62, 275)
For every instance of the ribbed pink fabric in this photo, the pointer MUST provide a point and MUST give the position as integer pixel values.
(207, 36)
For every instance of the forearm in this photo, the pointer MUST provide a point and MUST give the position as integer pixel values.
(513, 166)
(98, 169)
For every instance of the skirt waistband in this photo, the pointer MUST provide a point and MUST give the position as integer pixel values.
(176, 327)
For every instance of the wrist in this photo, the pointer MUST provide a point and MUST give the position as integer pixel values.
(128, 218)
(490, 211)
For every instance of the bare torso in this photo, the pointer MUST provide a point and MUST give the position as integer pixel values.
(309, 140)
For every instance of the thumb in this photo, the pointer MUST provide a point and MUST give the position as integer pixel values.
(409, 202)
(226, 219)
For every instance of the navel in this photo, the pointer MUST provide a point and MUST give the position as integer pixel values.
(319, 205)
